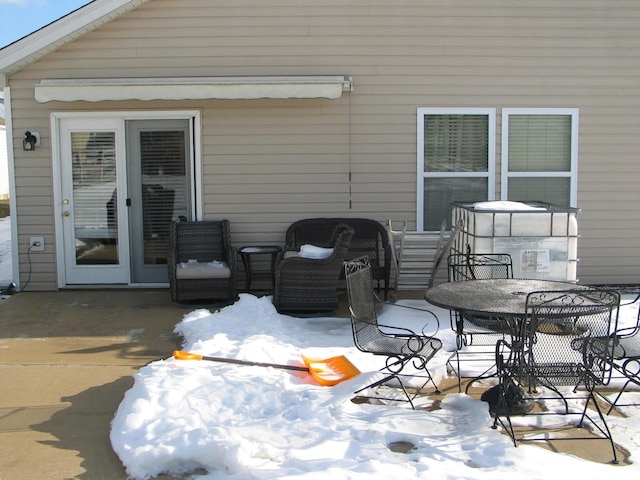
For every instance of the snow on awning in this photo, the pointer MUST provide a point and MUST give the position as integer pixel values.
(199, 88)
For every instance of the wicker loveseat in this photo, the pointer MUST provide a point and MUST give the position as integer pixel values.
(369, 239)
(306, 285)
(202, 263)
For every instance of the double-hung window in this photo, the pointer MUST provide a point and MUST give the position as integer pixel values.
(540, 155)
(456, 161)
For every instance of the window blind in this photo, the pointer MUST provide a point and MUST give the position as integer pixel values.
(539, 143)
(456, 143)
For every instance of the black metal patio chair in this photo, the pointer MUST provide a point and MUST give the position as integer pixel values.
(402, 347)
(626, 353)
(626, 361)
(565, 342)
(473, 331)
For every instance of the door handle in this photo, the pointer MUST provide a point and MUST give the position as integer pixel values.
(66, 213)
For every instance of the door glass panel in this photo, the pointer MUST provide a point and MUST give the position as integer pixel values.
(158, 173)
(94, 198)
(163, 164)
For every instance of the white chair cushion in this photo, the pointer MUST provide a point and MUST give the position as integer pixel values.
(198, 270)
(318, 253)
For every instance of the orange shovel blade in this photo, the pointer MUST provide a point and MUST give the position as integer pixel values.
(331, 371)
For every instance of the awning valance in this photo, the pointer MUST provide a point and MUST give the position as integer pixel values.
(198, 88)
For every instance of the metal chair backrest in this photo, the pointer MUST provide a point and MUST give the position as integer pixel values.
(630, 331)
(478, 266)
(569, 335)
(362, 305)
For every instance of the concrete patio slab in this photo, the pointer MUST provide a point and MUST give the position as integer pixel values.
(66, 361)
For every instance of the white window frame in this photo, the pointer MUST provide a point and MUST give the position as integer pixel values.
(489, 174)
(572, 174)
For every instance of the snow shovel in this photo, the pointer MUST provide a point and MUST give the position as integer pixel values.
(328, 372)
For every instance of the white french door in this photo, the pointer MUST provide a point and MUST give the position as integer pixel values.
(94, 214)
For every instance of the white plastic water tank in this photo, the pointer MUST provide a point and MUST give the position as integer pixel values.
(542, 239)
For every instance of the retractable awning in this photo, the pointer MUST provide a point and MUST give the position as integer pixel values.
(199, 88)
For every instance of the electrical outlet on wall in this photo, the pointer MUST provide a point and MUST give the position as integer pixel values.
(36, 244)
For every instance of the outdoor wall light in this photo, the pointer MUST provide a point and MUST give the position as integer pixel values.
(30, 141)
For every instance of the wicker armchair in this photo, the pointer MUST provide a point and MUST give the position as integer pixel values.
(202, 263)
(310, 285)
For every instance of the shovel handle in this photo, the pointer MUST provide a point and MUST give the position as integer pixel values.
(180, 355)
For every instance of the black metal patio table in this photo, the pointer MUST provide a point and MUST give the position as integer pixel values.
(500, 298)
(504, 300)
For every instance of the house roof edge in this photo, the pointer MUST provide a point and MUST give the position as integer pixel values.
(27, 50)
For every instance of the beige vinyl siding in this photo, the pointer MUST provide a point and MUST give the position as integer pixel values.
(267, 163)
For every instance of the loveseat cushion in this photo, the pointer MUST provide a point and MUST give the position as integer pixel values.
(312, 251)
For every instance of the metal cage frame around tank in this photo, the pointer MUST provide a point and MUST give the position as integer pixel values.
(492, 231)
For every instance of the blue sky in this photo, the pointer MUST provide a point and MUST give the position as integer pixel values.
(22, 17)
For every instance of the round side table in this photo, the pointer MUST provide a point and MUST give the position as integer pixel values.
(250, 250)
